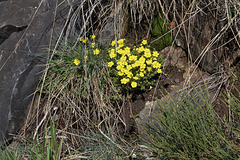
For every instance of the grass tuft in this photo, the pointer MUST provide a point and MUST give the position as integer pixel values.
(185, 130)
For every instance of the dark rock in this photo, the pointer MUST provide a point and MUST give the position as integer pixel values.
(201, 30)
(107, 34)
(25, 33)
(115, 26)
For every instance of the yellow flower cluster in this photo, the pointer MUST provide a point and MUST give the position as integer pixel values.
(96, 51)
(84, 40)
(93, 36)
(91, 49)
(133, 64)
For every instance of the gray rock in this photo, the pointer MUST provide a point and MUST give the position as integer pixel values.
(145, 118)
(25, 31)
(115, 25)
(107, 34)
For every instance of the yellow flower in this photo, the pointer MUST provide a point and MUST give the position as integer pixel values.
(112, 53)
(142, 60)
(96, 51)
(110, 64)
(133, 58)
(135, 78)
(134, 65)
(81, 39)
(155, 64)
(127, 51)
(129, 75)
(121, 51)
(140, 49)
(129, 67)
(86, 57)
(93, 36)
(124, 81)
(149, 69)
(121, 63)
(113, 43)
(143, 66)
(142, 69)
(120, 46)
(149, 62)
(134, 84)
(123, 58)
(155, 54)
(147, 53)
(144, 42)
(120, 41)
(92, 45)
(76, 61)
(141, 74)
(119, 67)
(112, 50)
(120, 73)
(124, 70)
(159, 71)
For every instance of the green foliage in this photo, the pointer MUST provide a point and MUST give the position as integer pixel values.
(133, 67)
(94, 146)
(161, 32)
(6, 154)
(184, 129)
(47, 149)
(74, 63)
(233, 120)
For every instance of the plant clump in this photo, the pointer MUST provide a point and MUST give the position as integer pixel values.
(133, 67)
(77, 82)
(183, 129)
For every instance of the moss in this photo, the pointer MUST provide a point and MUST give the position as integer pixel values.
(159, 29)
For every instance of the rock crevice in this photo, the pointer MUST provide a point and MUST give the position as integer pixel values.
(7, 30)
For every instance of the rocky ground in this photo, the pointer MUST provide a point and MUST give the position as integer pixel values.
(177, 73)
